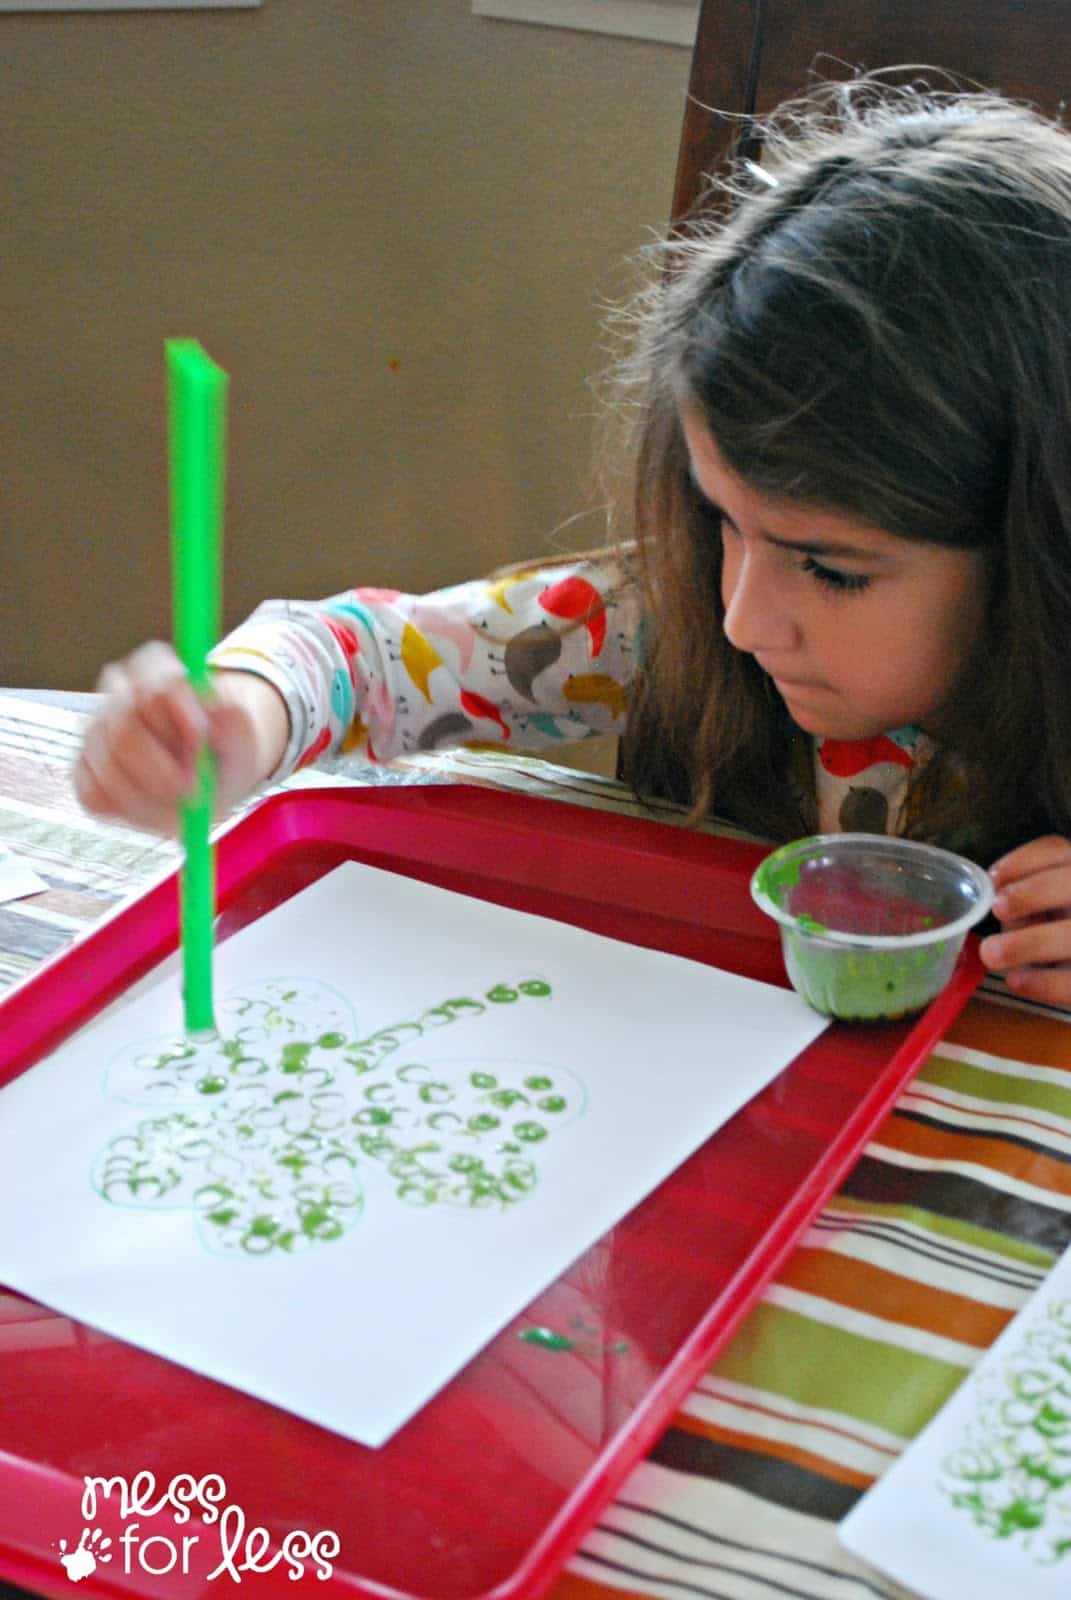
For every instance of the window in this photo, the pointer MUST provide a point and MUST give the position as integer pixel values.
(672, 21)
(123, 5)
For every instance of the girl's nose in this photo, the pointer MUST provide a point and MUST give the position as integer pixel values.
(756, 617)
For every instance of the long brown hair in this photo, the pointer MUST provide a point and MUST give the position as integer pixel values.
(880, 324)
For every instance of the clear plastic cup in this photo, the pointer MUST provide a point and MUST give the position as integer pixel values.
(871, 926)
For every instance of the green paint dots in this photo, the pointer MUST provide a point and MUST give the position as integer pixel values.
(546, 1339)
(1012, 1473)
(295, 1162)
(502, 994)
(292, 1130)
(775, 875)
(549, 1339)
(249, 1066)
(373, 1116)
(295, 1057)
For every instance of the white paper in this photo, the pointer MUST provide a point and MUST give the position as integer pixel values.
(17, 877)
(339, 1230)
(979, 1505)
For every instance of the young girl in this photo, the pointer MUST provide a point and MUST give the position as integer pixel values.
(848, 599)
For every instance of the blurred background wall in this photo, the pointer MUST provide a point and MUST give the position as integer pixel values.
(394, 223)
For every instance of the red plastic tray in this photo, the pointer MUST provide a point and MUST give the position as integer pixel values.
(492, 1485)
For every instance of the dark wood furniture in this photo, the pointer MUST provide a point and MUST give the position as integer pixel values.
(752, 54)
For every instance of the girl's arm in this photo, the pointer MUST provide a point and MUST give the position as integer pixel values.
(533, 658)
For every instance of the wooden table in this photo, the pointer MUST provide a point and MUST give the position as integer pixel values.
(949, 1220)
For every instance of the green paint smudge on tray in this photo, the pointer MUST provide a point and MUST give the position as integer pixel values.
(547, 1339)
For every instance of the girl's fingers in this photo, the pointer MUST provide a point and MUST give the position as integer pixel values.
(153, 684)
(146, 763)
(1045, 891)
(140, 754)
(104, 789)
(1052, 985)
(1034, 944)
(1038, 856)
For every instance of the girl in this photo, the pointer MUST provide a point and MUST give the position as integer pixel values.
(847, 602)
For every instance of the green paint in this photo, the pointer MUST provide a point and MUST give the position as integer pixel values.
(1011, 1472)
(530, 1132)
(547, 1339)
(778, 873)
(860, 984)
(292, 1123)
(854, 981)
(504, 1098)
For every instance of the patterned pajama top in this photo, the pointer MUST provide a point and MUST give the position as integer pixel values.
(533, 658)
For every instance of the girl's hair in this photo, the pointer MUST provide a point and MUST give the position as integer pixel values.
(880, 323)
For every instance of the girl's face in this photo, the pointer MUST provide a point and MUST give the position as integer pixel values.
(861, 631)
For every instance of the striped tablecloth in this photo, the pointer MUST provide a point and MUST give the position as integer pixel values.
(949, 1220)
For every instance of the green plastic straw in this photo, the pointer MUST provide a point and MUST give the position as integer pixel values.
(197, 425)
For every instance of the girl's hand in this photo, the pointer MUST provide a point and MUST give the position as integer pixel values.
(139, 756)
(1033, 904)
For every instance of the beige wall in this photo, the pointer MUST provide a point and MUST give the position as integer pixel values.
(391, 221)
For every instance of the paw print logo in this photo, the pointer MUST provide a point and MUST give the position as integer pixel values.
(81, 1562)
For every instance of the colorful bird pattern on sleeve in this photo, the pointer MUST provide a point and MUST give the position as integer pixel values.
(533, 658)
(537, 657)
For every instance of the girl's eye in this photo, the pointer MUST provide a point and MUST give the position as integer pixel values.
(832, 578)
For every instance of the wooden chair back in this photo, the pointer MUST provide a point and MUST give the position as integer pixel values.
(750, 55)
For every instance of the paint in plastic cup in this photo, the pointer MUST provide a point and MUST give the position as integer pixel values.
(871, 925)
